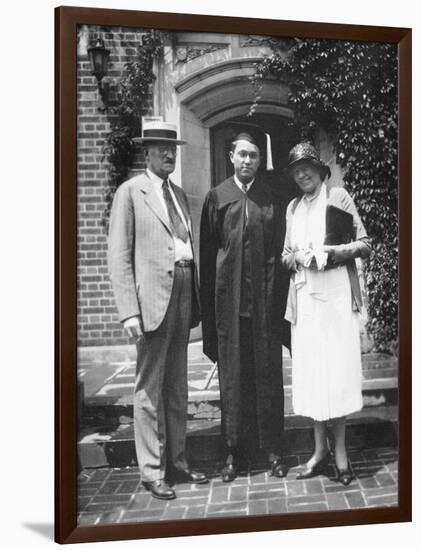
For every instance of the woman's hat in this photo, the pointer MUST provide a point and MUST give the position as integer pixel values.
(306, 151)
(158, 131)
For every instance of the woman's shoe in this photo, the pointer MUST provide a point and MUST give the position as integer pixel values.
(317, 469)
(344, 476)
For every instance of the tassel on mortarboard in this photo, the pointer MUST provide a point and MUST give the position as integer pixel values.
(269, 161)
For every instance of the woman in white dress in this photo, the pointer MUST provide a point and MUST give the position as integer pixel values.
(324, 235)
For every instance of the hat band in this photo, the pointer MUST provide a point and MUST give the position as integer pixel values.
(159, 134)
(298, 158)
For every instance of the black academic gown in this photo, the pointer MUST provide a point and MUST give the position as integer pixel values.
(220, 273)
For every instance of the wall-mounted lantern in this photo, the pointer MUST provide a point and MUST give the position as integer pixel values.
(99, 58)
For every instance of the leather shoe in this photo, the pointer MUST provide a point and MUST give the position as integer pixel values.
(277, 467)
(317, 469)
(159, 489)
(187, 476)
(229, 471)
(344, 476)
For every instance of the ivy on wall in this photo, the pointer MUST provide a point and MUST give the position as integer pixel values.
(349, 89)
(133, 95)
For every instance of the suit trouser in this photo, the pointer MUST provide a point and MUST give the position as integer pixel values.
(161, 389)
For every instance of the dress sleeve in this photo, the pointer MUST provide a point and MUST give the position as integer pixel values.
(208, 248)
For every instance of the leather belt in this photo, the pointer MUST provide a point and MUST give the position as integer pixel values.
(184, 263)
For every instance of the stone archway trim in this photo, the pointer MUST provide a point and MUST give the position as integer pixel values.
(226, 88)
(241, 109)
(241, 63)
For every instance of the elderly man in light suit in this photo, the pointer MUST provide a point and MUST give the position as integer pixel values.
(155, 285)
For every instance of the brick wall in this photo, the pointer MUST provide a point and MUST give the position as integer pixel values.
(97, 315)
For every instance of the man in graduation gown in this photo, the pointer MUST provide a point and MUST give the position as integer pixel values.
(243, 291)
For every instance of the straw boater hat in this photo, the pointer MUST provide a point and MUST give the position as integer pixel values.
(306, 151)
(159, 131)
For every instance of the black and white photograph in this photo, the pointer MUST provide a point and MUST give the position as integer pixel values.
(210, 288)
(237, 275)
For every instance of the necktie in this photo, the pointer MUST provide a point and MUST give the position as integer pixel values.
(177, 226)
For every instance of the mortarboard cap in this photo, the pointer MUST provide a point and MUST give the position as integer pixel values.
(262, 140)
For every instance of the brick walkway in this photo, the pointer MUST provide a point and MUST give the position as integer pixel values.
(114, 495)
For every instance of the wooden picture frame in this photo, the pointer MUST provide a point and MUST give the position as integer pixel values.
(67, 20)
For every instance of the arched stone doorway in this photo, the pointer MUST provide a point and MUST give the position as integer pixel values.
(209, 103)
(209, 100)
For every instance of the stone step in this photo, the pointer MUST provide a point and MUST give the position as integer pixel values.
(107, 375)
(105, 382)
(102, 446)
(109, 411)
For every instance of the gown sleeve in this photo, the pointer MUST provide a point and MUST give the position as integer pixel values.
(208, 257)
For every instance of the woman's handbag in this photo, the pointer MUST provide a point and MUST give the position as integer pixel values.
(339, 229)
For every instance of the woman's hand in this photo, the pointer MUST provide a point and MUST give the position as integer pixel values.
(306, 258)
(300, 257)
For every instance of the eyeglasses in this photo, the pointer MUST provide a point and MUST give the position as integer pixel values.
(251, 154)
(165, 149)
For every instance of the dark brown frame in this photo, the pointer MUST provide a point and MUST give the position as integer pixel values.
(66, 21)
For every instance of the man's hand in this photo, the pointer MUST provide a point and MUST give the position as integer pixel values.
(133, 327)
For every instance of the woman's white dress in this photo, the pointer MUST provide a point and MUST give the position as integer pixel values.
(326, 357)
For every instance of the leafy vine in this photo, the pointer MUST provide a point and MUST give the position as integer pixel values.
(350, 90)
(133, 97)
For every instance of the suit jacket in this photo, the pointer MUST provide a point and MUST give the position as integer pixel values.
(141, 253)
(344, 253)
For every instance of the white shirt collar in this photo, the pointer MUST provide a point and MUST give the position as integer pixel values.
(240, 184)
(154, 178)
